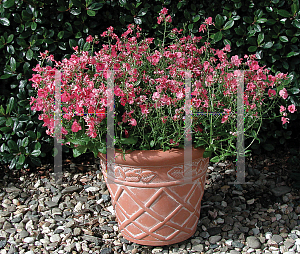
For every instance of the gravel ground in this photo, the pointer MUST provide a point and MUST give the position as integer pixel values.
(39, 216)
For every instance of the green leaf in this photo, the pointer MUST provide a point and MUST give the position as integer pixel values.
(260, 38)
(296, 23)
(35, 160)
(33, 26)
(77, 151)
(60, 35)
(129, 141)
(22, 159)
(252, 48)
(228, 25)
(122, 2)
(91, 13)
(152, 143)
(29, 54)
(268, 45)
(218, 36)
(10, 106)
(294, 90)
(36, 153)
(196, 18)
(268, 147)
(262, 20)
(271, 22)
(13, 162)
(86, 46)
(75, 11)
(295, 7)
(284, 13)
(37, 146)
(283, 38)
(31, 135)
(25, 142)
(187, 14)
(10, 38)
(8, 3)
(5, 76)
(12, 145)
(13, 64)
(215, 159)
(292, 54)
(77, 3)
(138, 20)
(219, 21)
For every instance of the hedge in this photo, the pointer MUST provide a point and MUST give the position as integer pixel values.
(269, 29)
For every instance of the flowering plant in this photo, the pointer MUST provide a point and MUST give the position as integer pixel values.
(149, 92)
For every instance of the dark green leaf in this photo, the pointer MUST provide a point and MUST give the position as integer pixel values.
(292, 54)
(268, 147)
(187, 14)
(13, 64)
(10, 105)
(91, 13)
(262, 20)
(29, 54)
(13, 162)
(8, 3)
(122, 2)
(284, 13)
(219, 21)
(77, 3)
(10, 49)
(75, 11)
(86, 46)
(252, 48)
(271, 22)
(129, 141)
(22, 159)
(283, 38)
(260, 38)
(215, 159)
(12, 145)
(296, 23)
(36, 153)
(196, 18)
(10, 38)
(35, 160)
(268, 45)
(25, 142)
(79, 150)
(228, 25)
(138, 20)
(294, 90)
(218, 36)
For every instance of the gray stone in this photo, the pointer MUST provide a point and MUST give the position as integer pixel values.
(281, 190)
(23, 234)
(71, 189)
(92, 239)
(253, 242)
(106, 251)
(214, 230)
(198, 247)
(214, 239)
(2, 243)
(55, 238)
(237, 244)
(50, 204)
(277, 238)
(12, 189)
(29, 239)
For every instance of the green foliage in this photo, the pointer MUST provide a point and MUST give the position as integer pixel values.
(270, 29)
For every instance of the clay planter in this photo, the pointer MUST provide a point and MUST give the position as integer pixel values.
(155, 203)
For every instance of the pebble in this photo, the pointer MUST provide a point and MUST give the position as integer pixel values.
(40, 216)
(253, 242)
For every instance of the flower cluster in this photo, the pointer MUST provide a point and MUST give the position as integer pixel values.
(150, 90)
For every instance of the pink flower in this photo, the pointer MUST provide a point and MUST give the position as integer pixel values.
(208, 21)
(282, 109)
(155, 96)
(173, 142)
(133, 122)
(284, 120)
(75, 126)
(283, 93)
(89, 39)
(224, 119)
(271, 92)
(235, 60)
(292, 108)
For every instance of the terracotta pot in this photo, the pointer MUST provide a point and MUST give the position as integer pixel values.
(155, 203)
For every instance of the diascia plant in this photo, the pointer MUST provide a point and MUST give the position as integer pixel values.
(149, 92)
